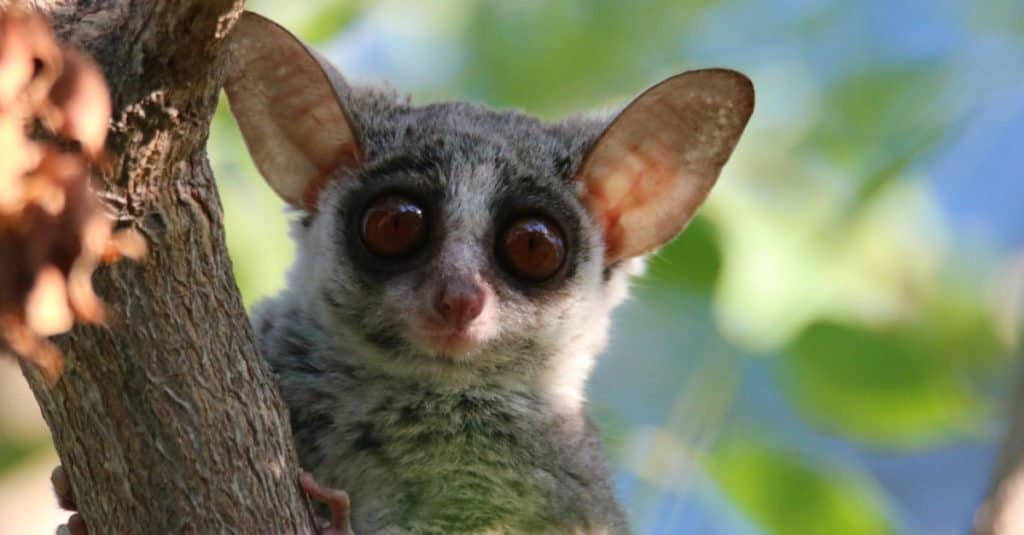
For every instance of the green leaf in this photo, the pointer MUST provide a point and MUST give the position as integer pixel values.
(692, 261)
(875, 110)
(789, 494)
(881, 386)
(891, 163)
(960, 329)
(879, 122)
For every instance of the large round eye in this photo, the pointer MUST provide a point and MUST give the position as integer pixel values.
(394, 226)
(532, 248)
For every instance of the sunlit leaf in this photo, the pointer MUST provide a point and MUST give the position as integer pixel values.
(786, 493)
(886, 387)
(961, 330)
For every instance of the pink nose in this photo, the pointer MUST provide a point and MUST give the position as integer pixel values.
(459, 303)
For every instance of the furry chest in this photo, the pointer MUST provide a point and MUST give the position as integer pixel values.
(455, 465)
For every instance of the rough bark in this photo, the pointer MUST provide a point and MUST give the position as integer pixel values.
(166, 418)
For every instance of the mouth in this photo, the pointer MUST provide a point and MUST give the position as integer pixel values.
(448, 342)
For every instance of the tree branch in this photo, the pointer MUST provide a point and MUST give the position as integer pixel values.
(167, 419)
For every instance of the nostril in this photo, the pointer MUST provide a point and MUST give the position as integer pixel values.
(460, 304)
(475, 305)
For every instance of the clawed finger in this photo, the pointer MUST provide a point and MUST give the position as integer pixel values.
(335, 500)
(75, 526)
(62, 488)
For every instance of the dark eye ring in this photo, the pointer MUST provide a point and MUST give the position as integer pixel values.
(394, 226)
(532, 248)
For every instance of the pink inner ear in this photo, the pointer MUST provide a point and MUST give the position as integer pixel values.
(348, 157)
(655, 164)
(289, 111)
(646, 170)
(648, 197)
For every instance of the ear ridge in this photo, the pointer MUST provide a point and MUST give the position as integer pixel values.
(289, 104)
(650, 170)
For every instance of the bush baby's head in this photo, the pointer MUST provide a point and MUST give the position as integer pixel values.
(454, 241)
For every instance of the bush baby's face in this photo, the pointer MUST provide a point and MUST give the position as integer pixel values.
(454, 236)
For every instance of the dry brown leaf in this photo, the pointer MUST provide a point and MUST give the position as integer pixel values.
(53, 231)
(15, 60)
(37, 351)
(46, 306)
(81, 96)
(46, 56)
(126, 243)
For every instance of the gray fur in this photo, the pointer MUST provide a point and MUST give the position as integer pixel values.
(497, 442)
(445, 394)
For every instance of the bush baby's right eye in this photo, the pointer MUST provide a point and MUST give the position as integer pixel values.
(394, 226)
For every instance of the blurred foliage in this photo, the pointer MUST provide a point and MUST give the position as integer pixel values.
(316, 22)
(821, 251)
(876, 123)
(865, 109)
(14, 452)
(553, 56)
(692, 261)
(1002, 16)
(789, 493)
(877, 385)
(613, 427)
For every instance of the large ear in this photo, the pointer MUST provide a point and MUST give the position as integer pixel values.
(654, 165)
(289, 105)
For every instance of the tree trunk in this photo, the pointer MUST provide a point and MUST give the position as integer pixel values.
(167, 419)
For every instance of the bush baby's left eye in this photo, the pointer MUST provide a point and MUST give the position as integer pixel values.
(532, 248)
